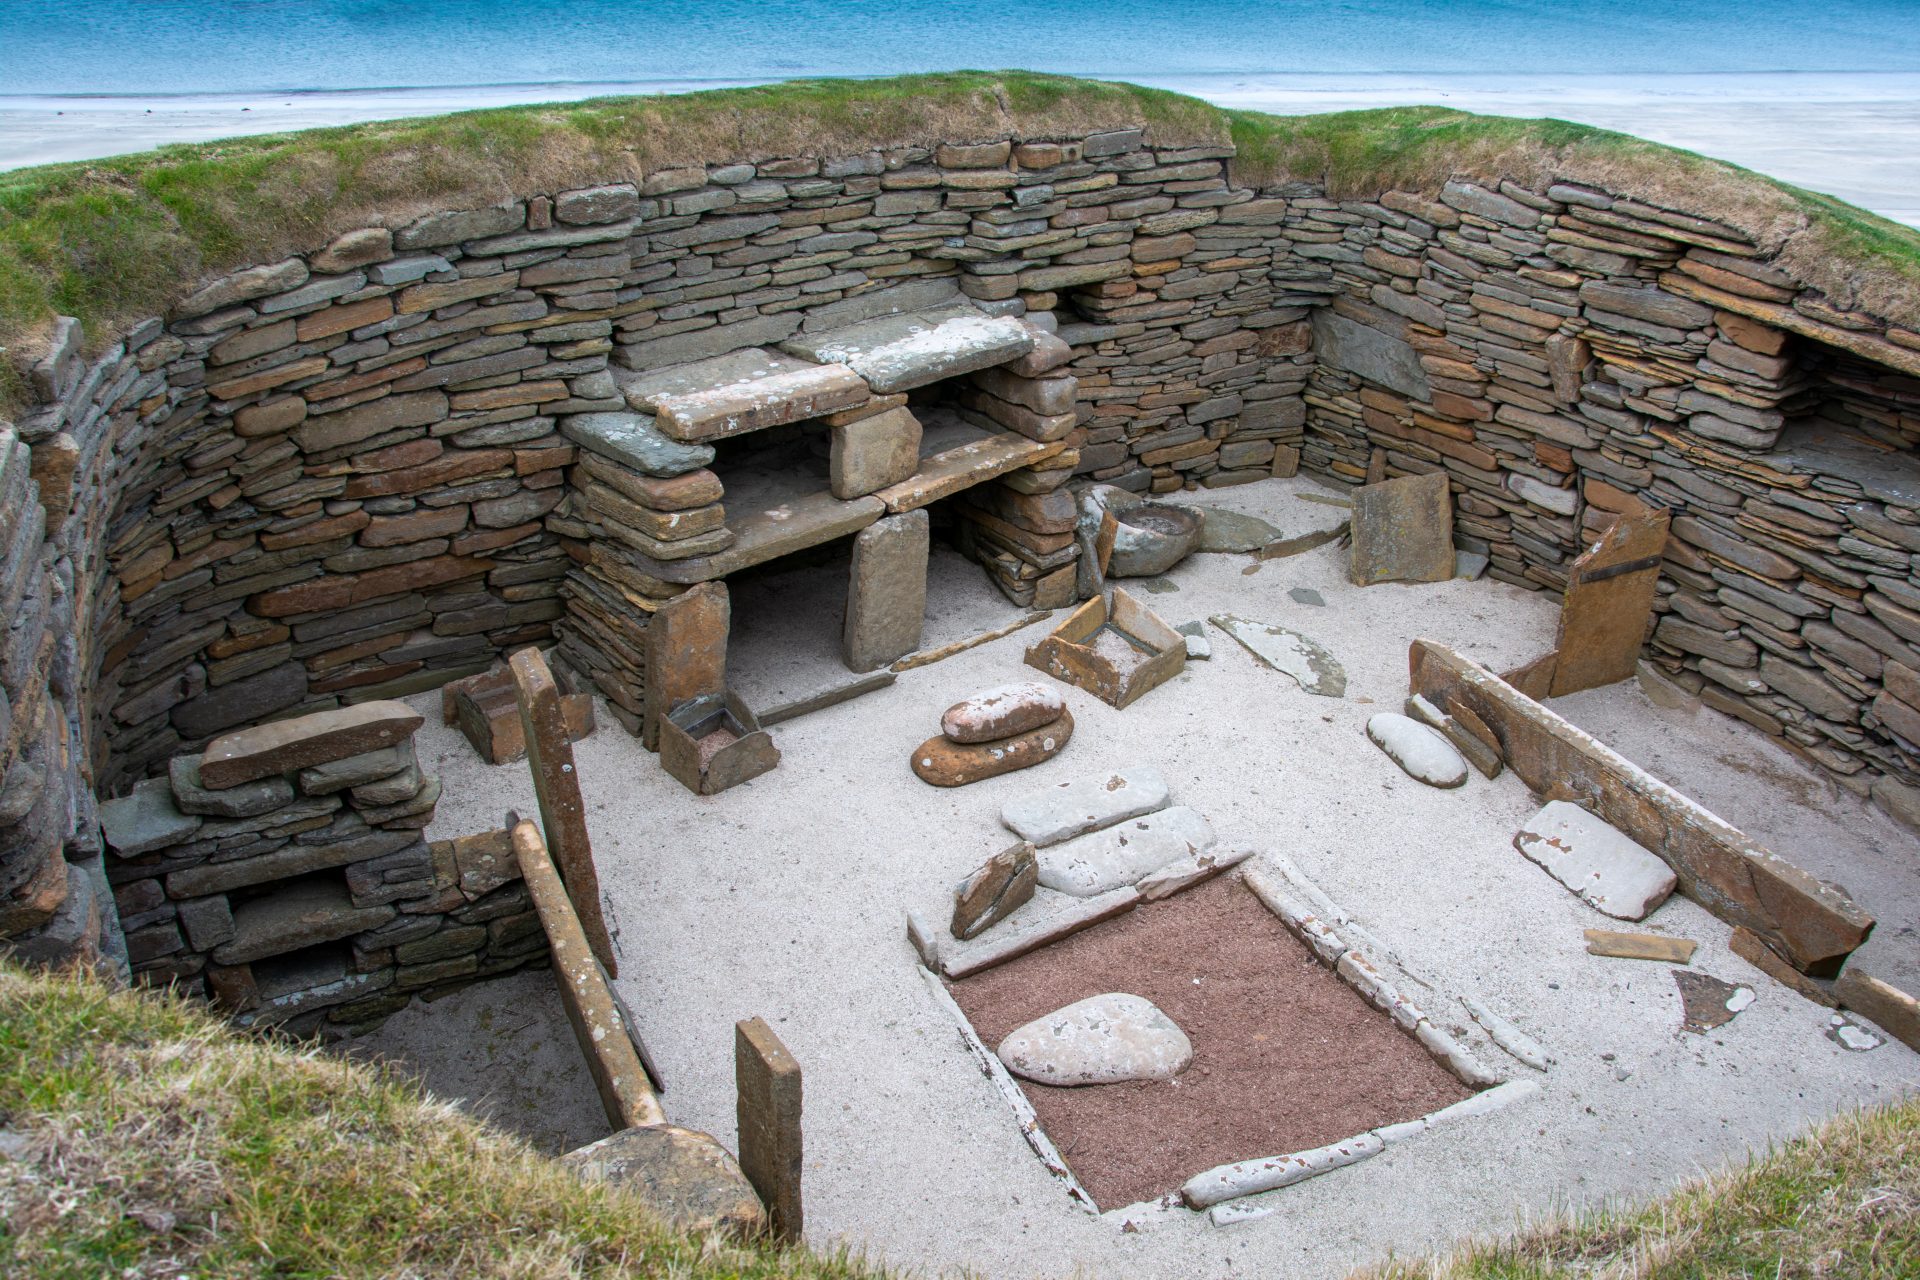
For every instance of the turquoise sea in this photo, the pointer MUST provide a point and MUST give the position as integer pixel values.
(241, 46)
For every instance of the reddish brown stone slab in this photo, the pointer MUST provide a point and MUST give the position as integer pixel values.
(1813, 925)
(556, 784)
(686, 651)
(996, 889)
(1402, 531)
(1609, 603)
(250, 754)
(945, 763)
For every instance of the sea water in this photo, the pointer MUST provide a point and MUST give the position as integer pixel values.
(243, 46)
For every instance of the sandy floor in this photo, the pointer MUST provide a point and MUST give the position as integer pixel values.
(1853, 135)
(785, 898)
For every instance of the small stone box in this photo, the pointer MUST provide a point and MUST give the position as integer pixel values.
(1114, 647)
(714, 742)
(487, 711)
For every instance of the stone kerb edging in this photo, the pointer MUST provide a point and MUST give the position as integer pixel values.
(1239, 1191)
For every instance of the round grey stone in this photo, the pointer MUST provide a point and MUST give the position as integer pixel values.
(1103, 1039)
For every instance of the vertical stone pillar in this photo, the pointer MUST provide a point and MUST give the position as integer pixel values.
(887, 591)
(686, 653)
(767, 1107)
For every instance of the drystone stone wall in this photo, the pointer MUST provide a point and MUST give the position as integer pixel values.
(283, 874)
(359, 473)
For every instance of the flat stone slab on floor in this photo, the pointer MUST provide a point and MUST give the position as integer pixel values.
(1116, 856)
(1610, 872)
(1104, 1039)
(1311, 666)
(1424, 753)
(1048, 815)
(1228, 531)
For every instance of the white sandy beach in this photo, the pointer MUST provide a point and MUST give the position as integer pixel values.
(1853, 135)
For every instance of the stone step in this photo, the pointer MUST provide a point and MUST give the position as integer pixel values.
(897, 353)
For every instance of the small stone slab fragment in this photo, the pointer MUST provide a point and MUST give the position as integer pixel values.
(1609, 871)
(1229, 531)
(898, 353)
(1896, 1012)
(1104, 1039)
(1187, 872)
(1052, 814)
(946, 763)
(145, 820)
(1425, 754)
(1312, 667)
(632, 440)
(1117, 856)
(1402, 531)
(1640, 946)
(685, 1177)
(1707, 1002)
(249, 801)
(1002, 712)
(1001, 886)
(285, 745)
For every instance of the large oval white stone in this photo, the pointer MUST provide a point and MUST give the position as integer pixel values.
(1100, 1040)
(1421, 751)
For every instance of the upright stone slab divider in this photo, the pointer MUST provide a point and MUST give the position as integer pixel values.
(767, 1108)
(556, 784)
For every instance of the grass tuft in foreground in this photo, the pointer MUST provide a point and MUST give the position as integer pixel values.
(1841, 1202)
(141, 1137)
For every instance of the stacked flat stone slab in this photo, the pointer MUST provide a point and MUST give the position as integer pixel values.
(282, 873)
(345, 475)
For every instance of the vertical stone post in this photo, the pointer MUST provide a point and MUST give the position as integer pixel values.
(887, 591)
(686, 654)
(767, 1107)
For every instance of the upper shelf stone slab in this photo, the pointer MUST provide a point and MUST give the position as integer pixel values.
(898, 353)
(745, 391)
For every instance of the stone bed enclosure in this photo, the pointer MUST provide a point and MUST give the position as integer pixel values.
(355, 475)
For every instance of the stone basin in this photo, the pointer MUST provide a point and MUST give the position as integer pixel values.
(1153, 537)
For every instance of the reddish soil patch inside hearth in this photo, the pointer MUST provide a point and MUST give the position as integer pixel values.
(1286, 1056)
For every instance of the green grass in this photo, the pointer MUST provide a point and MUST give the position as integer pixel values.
(149, 1140)
(113, 241)
(1841, 1202)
